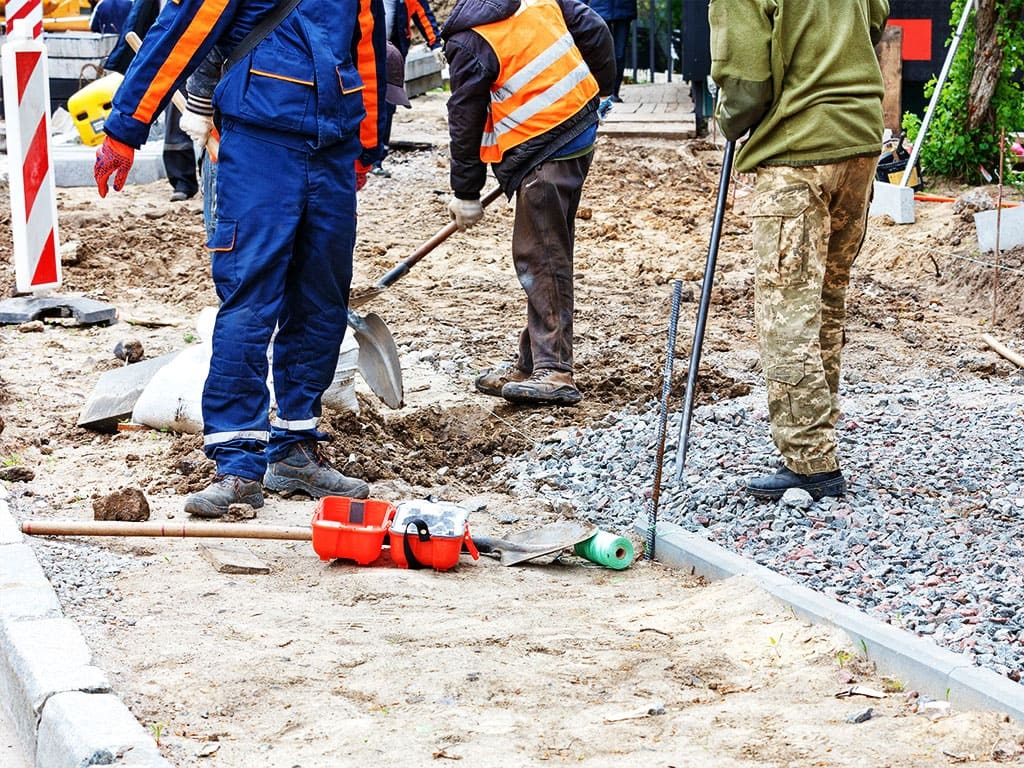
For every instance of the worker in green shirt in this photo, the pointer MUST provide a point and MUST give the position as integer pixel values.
(802, 78)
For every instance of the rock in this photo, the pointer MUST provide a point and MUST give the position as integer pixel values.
(129, 350)
(127, 505)
(971, 202)
(17, 474)
(862, 716)
(69, 252)
(32, 326)
(797, 498)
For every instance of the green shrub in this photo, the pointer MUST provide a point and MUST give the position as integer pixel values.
(949, 149)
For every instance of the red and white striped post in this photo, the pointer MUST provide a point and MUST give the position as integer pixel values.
(31, 176)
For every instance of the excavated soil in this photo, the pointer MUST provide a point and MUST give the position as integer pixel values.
(318, 664)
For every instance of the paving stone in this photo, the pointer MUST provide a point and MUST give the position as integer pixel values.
(40, 658)
(82, 729)
(1011, 229)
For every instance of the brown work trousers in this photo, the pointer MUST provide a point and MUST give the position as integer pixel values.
(543, 239)
(808, 227)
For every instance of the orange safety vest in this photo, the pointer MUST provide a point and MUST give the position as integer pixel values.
(543, 80)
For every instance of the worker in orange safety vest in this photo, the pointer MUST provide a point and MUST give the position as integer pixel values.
(526, 80)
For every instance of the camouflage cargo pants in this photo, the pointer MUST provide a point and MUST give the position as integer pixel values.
(808, 226)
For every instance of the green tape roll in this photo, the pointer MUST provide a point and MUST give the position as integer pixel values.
(607, 549)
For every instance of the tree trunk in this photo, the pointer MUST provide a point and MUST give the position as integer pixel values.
(988, 65)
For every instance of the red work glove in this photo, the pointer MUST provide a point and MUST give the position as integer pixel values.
(361, 171)
(112, 159)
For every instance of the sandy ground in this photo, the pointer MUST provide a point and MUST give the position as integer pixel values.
(331, 664)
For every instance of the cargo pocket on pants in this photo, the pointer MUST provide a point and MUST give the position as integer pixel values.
(783, 406)
(221, 246)
(780, 235)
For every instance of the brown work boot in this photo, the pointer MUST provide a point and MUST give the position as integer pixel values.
(224, 491)
(491, 382)
(305, 469)
(544, 387)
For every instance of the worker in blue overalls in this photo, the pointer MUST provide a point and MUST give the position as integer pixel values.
(299, 117)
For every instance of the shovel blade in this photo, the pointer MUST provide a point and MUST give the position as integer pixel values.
(378, 358)
(546, 540)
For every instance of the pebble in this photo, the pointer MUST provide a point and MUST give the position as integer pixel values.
(929, 536)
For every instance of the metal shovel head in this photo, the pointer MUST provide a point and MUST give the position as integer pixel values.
(378, 358)
(538, 542)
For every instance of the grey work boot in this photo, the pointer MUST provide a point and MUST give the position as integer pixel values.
(224, 491)
(490, 382)
(544, 387)
(305, 469)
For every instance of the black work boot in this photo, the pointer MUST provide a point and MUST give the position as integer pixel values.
(818, 485)
(544, 387)
(224, 491)
(305, 469)
(490, 382)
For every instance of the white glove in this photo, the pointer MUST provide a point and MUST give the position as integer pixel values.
(465, 213)
(439, 57)
(198, 127)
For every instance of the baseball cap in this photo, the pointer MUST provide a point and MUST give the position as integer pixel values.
(396, 78)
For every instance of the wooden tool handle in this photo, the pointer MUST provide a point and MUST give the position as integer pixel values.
(178, 100)
(165, 528)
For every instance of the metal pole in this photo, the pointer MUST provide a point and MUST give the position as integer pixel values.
(670, 47)
(935, 95)
(650, 37)
(705, 302)
(666, 387)
(999, 219)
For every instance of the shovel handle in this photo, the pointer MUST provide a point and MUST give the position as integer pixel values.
(439, 237)
(178, 100)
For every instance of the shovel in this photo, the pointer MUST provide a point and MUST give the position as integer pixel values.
(359, 298)
(378, 356)
(527, 545)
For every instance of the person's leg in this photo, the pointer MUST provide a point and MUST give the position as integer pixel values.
(179, 156)
(311, 327)
(209, 186)
(620, 36)
(259, 210)
(791, 227)
(543, 239)
(851, 183)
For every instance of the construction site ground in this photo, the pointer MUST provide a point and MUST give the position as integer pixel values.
(333, 664)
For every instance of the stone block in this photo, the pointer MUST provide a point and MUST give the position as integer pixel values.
(9, 531)
(40, 658)
(1011, 229)
(73, 164)
(79, 729)
(19, 567)
(893, 201)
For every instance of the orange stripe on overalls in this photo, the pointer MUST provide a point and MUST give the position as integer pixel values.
(170, 71)
(366, 63)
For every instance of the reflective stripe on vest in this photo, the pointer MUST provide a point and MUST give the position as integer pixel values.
(543, 80)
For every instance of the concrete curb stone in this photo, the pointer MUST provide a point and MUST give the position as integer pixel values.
(60, 704)
(914, 660)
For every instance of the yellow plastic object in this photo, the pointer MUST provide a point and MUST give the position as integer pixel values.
(90, 106)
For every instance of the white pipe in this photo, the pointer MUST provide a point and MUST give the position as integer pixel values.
(935, 96)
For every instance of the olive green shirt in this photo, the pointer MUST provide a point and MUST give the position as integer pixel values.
(802, 74)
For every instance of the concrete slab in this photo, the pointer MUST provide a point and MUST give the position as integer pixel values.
(232, 560)
(115, 394)
(79, 729)
(915, 661)
(39, 658)
(1010, 227)
(893, 201)
(73, 164)
(21, 309)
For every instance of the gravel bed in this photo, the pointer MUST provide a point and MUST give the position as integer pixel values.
(930, 536)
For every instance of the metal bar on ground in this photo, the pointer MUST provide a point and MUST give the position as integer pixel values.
(666, 387)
